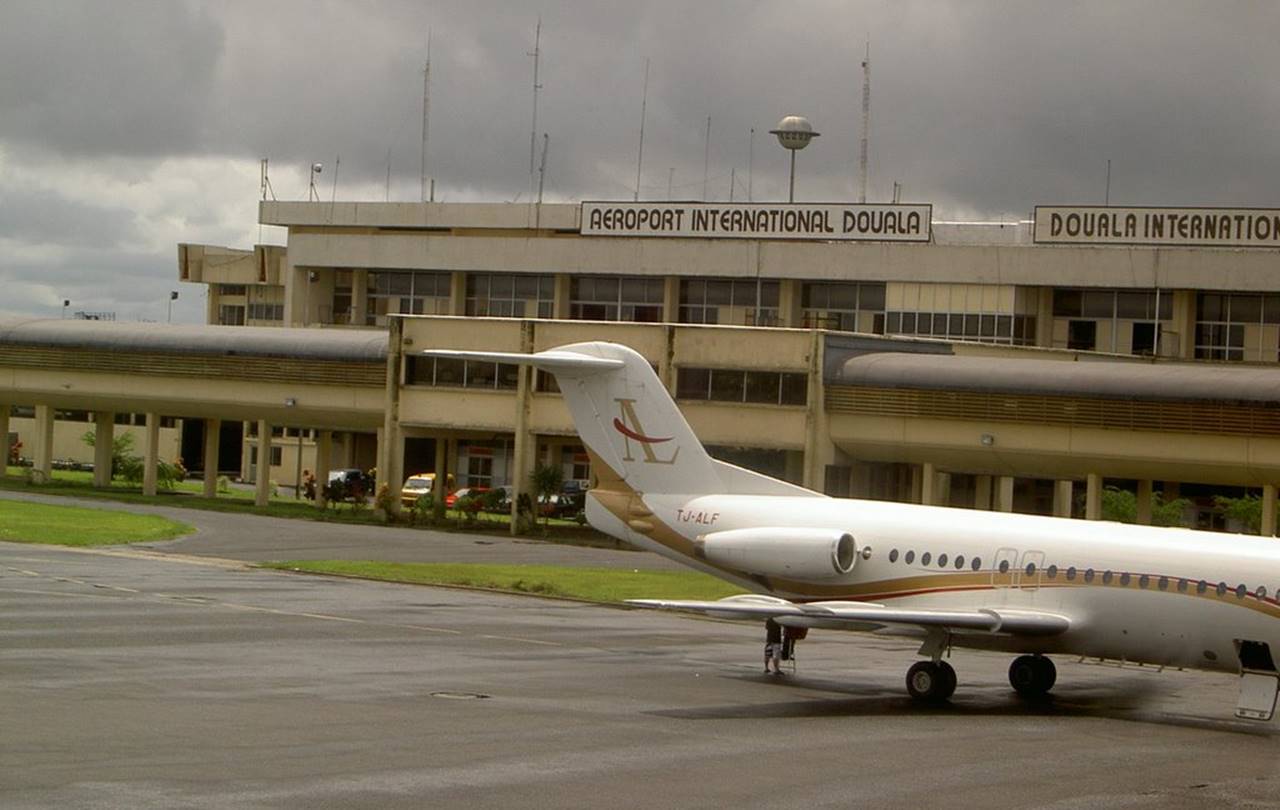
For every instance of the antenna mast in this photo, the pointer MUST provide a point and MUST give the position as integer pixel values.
(706, 160)
(644, 101)
(426, 116)
(866, 123)
(533, 130)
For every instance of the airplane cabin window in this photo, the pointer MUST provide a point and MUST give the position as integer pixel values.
(1241, 590)
(1106, 577)
(1164, 583)
(1144, 581)
(1124, 579)
(925, 558)
(1004, 566)
(1221, 589)
(910, 557)
(1052, 571)
(893, 555)
(1088, 575)
(1071, 574)
(1261, 593)
(942, 560)
(976, 564)
(1182, 585)
(1031, 569)
(959, 561)
(1202, 586)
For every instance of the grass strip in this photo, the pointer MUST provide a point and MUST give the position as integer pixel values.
(22, 522)
(592, 584)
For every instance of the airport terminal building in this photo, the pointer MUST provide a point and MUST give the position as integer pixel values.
(862, 350)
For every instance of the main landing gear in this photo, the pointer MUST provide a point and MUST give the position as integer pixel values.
(1032, 676)
(931, 681)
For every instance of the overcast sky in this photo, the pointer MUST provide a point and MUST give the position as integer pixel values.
(128, 127)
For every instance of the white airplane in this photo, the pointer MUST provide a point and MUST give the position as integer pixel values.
(1022, 584)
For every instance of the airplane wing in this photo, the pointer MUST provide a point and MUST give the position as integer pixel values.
(868, 615)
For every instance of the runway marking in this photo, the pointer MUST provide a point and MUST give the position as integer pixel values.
(427, 629)
(523, 640)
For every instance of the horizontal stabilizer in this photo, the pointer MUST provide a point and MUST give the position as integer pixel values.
(1013, 622)
(557, 362)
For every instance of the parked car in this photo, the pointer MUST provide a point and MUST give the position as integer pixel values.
(355, 483)
(566, 503)
(454, 497)
(498, 500)
(419, 485)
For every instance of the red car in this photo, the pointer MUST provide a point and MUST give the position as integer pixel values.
(452, 497)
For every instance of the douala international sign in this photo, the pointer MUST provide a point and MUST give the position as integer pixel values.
(817, 221)
(1105, 225)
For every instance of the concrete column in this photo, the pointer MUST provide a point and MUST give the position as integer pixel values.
(928, 484)
(104, 428)
(442, 471)
(982, 492)
(943, 495)
(523, 454)
(458, 293)
(562, 290)
(390, 441)
(324, 457)
(451, 459)
(789, 300)
(1093, 497)
(1146, 500)
(4, 435)
(1063, 493)
(212, 443)
(151, 457)
(1004, 493)
(42, 457)
(671, 299)
(359, 296)
(916, 484)
(1268, 510)
(1044, 317)
(296, 294)
(262, 485)
(1183, 330)
(818, 449)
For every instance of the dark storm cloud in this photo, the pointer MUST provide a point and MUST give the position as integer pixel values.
(43, 217)
(984, 109)
(125, 78)
(989, 107)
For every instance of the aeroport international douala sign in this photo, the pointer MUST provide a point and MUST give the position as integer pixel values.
(1207, 227)
(816, 221)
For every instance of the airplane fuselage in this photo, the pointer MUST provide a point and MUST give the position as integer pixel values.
(1168, 597)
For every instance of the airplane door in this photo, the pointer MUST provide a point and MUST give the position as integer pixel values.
(1031, 582)
(1004, 571)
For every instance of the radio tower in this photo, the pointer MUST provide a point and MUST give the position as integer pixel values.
(426, 116)
(866, 123)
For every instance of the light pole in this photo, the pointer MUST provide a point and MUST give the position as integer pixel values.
(66, 302)
(794, 133)
(312, 194)
(173, 296)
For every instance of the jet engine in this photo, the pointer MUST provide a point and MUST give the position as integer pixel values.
(803, 554)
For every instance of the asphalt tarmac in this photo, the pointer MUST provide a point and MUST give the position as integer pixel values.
(136, 678)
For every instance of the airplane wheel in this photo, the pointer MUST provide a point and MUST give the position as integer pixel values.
(1032, 676)
(931, 683)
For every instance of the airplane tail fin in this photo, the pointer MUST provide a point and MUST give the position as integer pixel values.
(625, 416)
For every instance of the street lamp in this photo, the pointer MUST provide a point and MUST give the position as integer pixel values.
(312, 194)
(66, 302)
(173, 296)
(794, 133)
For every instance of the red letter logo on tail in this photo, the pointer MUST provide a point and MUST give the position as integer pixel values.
(632, 431)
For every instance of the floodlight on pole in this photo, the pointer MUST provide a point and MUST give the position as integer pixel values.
(173, 296)
(794, 133)
(312, 194)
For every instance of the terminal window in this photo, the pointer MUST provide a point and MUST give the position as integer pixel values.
(1237, 327)
(616, 298)
(408, 293)
(507, 295)
(740, 385)
(844, 306)
(738, 302)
